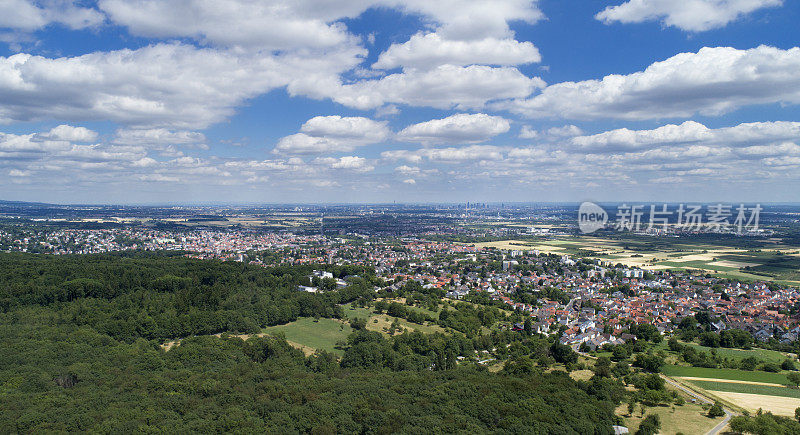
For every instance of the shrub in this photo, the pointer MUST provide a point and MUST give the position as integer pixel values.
(716, 410)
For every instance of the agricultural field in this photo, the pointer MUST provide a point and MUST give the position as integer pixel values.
(726, 374)
(737, 259)
(773, 264)
(522, 245)
(743, 389)
(748, 388)
(778, 405)
(780, 400)
(272, 220)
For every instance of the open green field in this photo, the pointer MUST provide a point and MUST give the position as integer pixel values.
(736, 387)
(424, 311)
(322, 334)
(352, 312)
(735, 375)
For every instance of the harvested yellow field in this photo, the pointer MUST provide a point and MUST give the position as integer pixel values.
(695, 257)
(632, 261)
(520, 246)
(736, 264)
(656, 267)
(776, 404)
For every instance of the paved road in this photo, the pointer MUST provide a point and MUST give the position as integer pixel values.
(571, 304)
(717, 428)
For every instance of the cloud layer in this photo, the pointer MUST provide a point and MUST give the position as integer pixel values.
(451, 101)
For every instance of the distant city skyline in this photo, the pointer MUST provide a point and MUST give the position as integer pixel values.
(147, 102)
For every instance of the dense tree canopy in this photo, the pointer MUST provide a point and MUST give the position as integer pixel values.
(160, 297)
(81, 352)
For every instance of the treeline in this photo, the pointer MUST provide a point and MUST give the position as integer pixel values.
(699, 358)
(407, 351)
(766, 424)
(468, 318)
(160, 296)
(698, 328)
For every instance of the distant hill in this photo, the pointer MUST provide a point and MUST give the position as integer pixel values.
(25, 204)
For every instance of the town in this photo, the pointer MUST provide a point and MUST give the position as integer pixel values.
(599, 299)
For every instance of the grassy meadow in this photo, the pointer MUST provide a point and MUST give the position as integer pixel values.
(322, 334)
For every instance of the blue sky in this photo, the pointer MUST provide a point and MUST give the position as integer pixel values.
(233, 101)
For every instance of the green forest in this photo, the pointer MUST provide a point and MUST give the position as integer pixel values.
(81, 339)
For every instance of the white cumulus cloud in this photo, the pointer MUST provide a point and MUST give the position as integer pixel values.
(27, 15)
(334, 133)
(444, 87)
(426, 51)
(292, 24)
(462, 127)
(67, 133)
(712, 81)
(164, 85)
(353, 163)
(689, 15)
(690, 132)
(355, 129)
